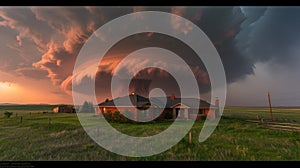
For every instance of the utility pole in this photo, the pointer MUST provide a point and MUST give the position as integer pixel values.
(269, 99)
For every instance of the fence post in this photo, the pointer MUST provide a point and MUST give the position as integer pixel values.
(190, 137)
(49, 120)
(21, 119)
(261, 121)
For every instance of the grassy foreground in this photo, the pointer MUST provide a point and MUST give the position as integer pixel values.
(65, 139)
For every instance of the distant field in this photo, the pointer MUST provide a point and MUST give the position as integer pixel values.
(290, 113)
(27, 108)
(64, 138)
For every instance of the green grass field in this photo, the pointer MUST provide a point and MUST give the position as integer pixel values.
(65, 139)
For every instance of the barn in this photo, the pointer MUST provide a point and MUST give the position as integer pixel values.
(64, 109)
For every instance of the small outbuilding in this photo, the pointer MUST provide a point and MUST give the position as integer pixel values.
(64, 109)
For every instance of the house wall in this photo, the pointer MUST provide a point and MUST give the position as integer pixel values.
(201, 112)
(210, 114)
(165, 114)
(114, 109)
(133, 110)
(66, 109)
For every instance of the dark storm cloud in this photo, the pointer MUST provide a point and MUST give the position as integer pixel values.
(275, 36)
(241, 37)
(222, 25)
(58, 33)
(24, 39)
(24, 21)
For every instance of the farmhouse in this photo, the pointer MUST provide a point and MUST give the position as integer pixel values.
(183, 108)
(64, 109)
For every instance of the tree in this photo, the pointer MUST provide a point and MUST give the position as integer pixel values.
(108, 115)
(87, 107)
(8, 114)
(116, 116)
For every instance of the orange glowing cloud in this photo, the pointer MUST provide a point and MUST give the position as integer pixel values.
(177, 23)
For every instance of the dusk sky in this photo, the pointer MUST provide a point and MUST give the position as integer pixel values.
(259, 48)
